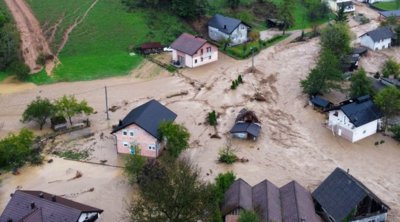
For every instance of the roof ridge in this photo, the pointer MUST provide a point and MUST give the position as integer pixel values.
(296, 199)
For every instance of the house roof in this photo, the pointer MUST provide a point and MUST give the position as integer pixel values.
(147, 116)
(150, 45)
(289, 203)
(297, 203)
(360, 50)
(391, 81)
(345, 4)
(266, 201)
(321, 102)
(380, 33)
(340, 193)
(28, 206)
(224, 24)
(361, 111)
(245, 127)
(386, 14)
(239, 195)
(188, 43)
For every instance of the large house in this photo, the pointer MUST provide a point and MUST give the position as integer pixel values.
(221, 27)
(377, 39)
(192, 51)
(289, 203)
(336, 5)
(341, 197)
(139, 129)
(38, 206)
(355, 119)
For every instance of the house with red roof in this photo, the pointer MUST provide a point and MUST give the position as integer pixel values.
(192, 51)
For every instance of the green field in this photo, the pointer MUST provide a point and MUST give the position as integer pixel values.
(387, 5)
(99, 46)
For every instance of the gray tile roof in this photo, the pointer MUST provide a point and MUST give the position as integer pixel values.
(239, 195)
(148, 117)
(28, 206)
(361, 111)
(380, 33)
(320, 102)
(188, 44)
(224, 24)
(244, 127)
(386, 14)
(340, 193)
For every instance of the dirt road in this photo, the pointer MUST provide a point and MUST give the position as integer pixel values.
(33, 42)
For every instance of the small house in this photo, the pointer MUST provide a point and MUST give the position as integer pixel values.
(221, 27)
(341, 197)
(192, 51)
(139, 129)
(151, 48)
(39, 206)
(289, 203)
(355, 119)
(377, 39)
(336, 5)
(320, 103)
(247, 125)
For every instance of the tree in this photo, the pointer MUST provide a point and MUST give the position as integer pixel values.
(189, 9)
(360, 84)
(222, 183)
(9, 43)
(396, 132)
(341, 16)
(15, 150)
(133, 165)
(176, 136)
(212, 118)
(286, 14)
(68, 106)
(336, 39)
(38, 111)
(324, 77)
(234, 4)
(171, 191)
(248, 216)
(388, 100)
(391, 67)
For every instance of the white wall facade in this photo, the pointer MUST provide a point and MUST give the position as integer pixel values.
(238, 36)
(84, 215)
(340, 124)
(375, 218)
(333, 5)
(206, 54)
(368, 42)
(374, 1)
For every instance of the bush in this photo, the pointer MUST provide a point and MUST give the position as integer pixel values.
(72, 155)
(227, 156)
(134, 165)
(240, 80)
(15, 150)
(21, 70)
(391, 67)
(171, 68)
(396, 132)
(212, 118)
(234, 84)
(41, 59)
(248, 216)
(177, 137)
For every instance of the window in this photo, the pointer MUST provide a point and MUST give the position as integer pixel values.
(209, 57)
(126, 144)
(152, 147)
(364, 131)
(124, 132)
(131, 133)
(195, 61)
(208, 49)
(201, 59)
(201, 51)
(336, 113)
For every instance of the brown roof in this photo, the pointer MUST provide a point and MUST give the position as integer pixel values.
(239, 195)
(151, 45)
(267, 202)
(188, 43)
(28, 206)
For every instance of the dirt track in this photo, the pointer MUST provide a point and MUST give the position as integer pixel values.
(33, 41)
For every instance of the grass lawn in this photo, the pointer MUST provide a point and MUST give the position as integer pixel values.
(99, 46)
(387, 5)
(3, 75)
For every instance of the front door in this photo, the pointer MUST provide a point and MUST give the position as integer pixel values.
(181, 60)
(133, 150)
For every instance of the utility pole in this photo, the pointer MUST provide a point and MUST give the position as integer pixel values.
(105, 90)
(252, 59)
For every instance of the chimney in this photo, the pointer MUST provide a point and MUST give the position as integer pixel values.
(120, 123)
(53, 198)
(41, 195)
(224, 26)
(32, 205)
(348, 170)
(11, 194)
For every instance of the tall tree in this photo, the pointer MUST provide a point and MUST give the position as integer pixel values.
(286, 9)
(336, 39)
(171, 191)
(68, 106)
(15, 150)
(388, 100)
(234, 4)
(341, 16)
(360, 84)
(177, 137)
(38, 111)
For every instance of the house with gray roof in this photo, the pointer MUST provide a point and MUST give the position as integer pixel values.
(289, 203)
(138, 131)
(39, 206)
(355, 119)
(192, 51)
(247, 125)
(341, 197)
(222, 27)
(377, 39)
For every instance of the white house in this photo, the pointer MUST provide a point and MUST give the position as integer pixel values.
(221, 27)
(335, 5)
(375, 1)
(355, 119)
(377, 39)
(192, 51)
